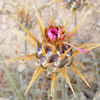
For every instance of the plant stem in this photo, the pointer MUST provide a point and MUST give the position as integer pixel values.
(25, 44)
(76, 34)
(79, 88)
(26, 64)
(12, 80)
(63, 89)
(55, 92)
(35, 87)
(97, 69)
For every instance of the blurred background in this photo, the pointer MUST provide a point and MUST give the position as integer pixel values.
(12, 45)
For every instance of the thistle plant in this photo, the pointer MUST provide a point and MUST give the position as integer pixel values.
(56, 52)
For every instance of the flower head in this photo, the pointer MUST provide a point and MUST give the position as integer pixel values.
(52, 34)
(55, 33)
(56, 52)
(79, 4)
(24, 14)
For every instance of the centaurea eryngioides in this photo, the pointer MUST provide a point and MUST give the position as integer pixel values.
(56, 53)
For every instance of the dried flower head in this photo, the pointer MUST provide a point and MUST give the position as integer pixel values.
(79, 4)
(56, 52)
(24, 13)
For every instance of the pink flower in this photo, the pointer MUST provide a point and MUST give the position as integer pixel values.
(53, 34)
(72, 35)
